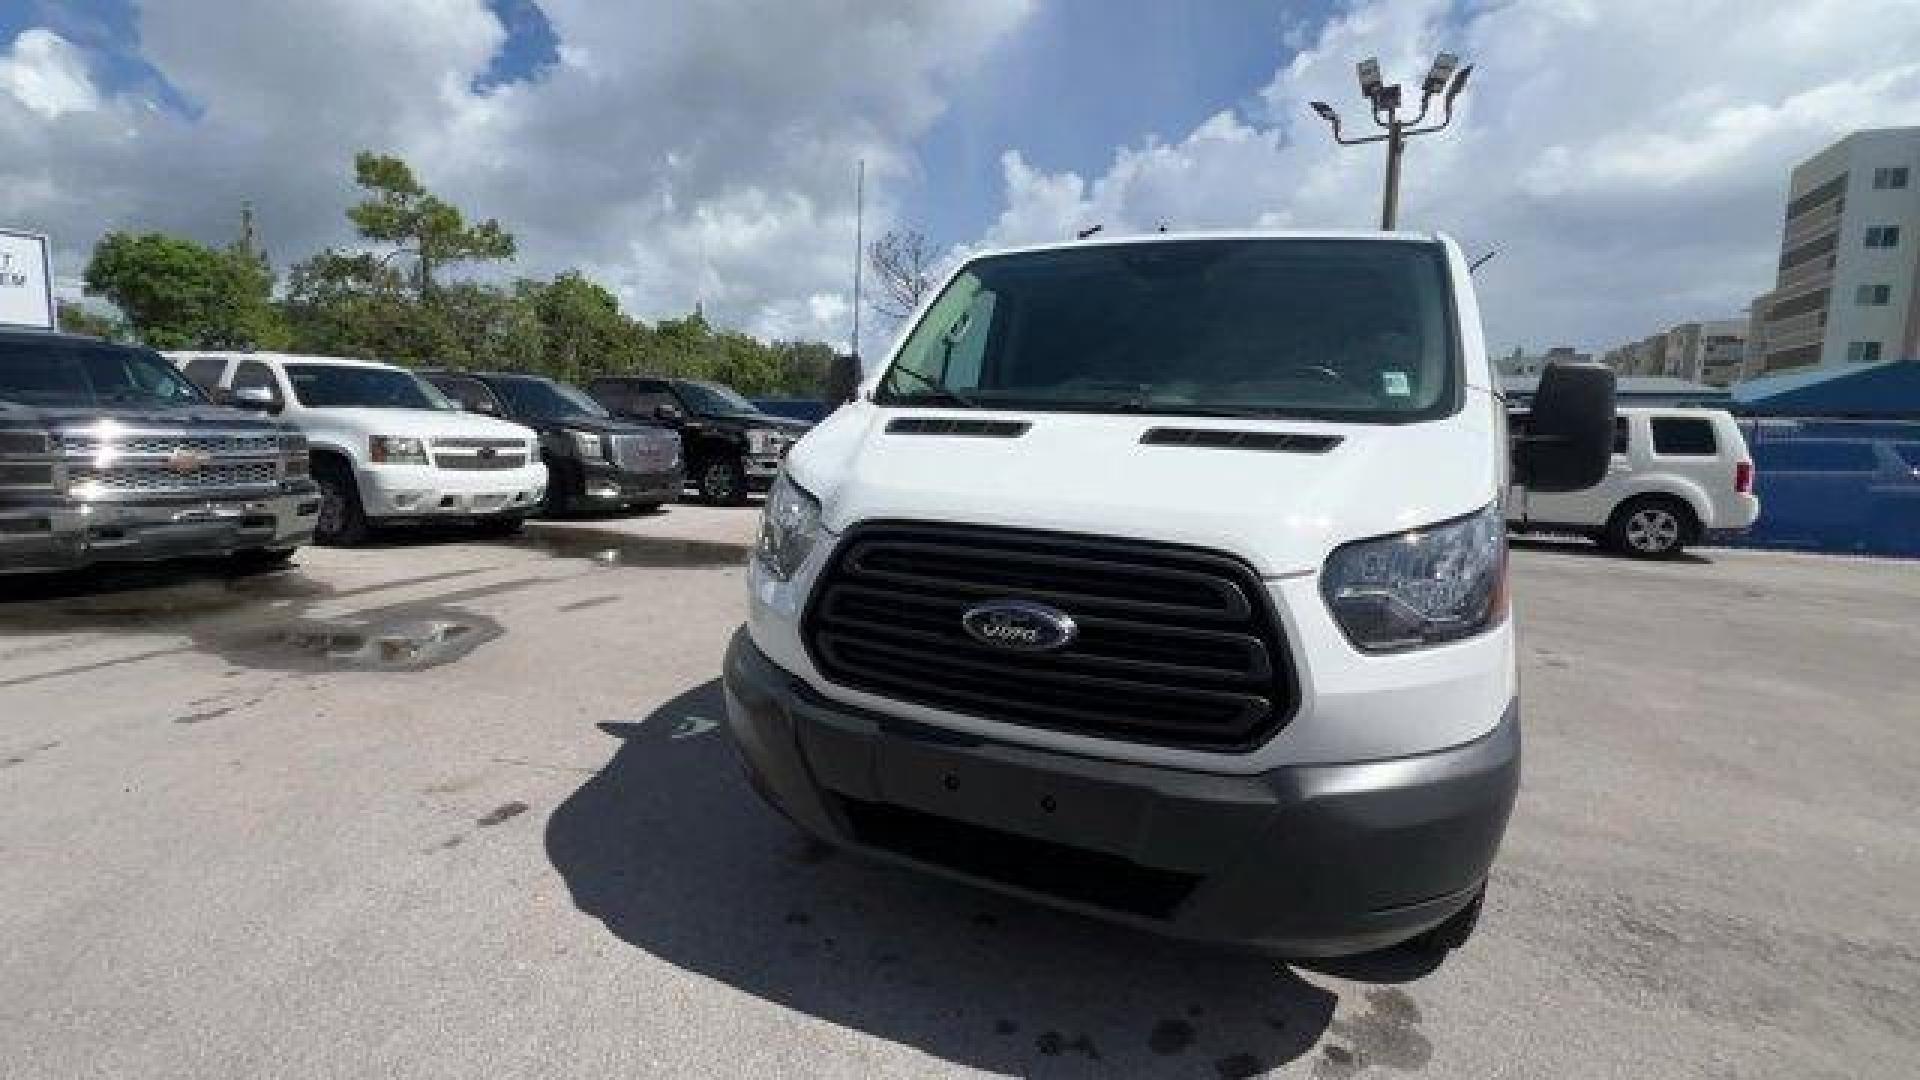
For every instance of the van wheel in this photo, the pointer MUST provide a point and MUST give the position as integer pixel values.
(721, 482)
(342, 521)
(1453, 933)
(1652, 527)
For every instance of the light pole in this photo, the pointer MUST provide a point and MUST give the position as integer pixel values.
(1446, 76)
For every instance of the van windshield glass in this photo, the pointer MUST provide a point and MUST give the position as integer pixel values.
(62, 373)
(1351, 330)
(339, 386)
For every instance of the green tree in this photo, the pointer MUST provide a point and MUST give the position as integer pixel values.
(401, 212)
(176, 293)
(497, 329)
(75, 319)
(354, 304)
(585, 333)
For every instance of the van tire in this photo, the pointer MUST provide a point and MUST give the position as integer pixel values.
(1652, 527)
(342, 521)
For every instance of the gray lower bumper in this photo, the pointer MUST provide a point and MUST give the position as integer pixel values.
(1310, 860)
(64, 535)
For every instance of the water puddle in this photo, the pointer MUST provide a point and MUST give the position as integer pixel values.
(399, 641)
(607, 548)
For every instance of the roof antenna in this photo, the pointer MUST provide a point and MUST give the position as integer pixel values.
(1482, 260)
(1088, 231)
(1163, 227)
(859, 250)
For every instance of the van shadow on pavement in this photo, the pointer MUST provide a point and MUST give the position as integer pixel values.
(669, 847)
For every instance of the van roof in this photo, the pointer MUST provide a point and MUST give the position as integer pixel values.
(1104, 240)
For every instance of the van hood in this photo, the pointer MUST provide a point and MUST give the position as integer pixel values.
(422, 423)
(1281, 511)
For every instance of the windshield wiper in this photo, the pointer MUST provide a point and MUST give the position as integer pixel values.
(938, 387)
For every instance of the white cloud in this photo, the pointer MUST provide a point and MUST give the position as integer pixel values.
(46, 75)
(1629, 160)
(675, 152)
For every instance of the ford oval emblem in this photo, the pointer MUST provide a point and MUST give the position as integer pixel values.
(1021, 625)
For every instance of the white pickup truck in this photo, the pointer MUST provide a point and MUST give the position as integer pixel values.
(1677, 475)
(386, 446)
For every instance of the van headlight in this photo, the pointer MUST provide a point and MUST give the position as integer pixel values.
(1423, 587)
(789, 527)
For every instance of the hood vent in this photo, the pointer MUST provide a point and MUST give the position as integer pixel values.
(1276, 442)
(955, 425)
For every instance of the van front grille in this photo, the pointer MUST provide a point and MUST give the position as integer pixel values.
(1176, 645)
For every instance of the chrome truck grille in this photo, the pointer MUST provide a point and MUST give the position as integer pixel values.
(161, 479)
(479, 455)
(115, 464)
(645, 453)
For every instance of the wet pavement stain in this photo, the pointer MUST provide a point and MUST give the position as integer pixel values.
(504, 812)
(27, 755)
(607, 548)
(1239, 1067)
(1005, 1027)
(1170, 1037)
(393, 641)
(1386, 1034)
(590, 602)
(1050, 1043)
(204, 715)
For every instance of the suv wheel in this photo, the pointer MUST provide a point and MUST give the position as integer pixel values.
(342, 521)
(1651, 527)
(721, 482)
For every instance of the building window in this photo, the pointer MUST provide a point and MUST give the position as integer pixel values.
(1863, 352)
(1873, 295)
(1883, 236)
(1884, 179)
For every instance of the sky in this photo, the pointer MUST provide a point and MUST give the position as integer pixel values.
(1627, 159)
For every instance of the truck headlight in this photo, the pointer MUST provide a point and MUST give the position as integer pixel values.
(1424, 587)
(762, 442)
(586, 444)
(789, 527)
(397, 450)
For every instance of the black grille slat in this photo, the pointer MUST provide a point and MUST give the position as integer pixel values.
(954, 425)
(1278, 442)
(1176, 645)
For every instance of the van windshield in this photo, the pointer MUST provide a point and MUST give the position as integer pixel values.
(1349, 330)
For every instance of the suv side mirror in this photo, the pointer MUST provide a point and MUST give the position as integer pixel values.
(843, 379)
(1569, 439)
(253, 399)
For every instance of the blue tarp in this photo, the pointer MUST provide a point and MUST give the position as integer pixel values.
(1830, 485)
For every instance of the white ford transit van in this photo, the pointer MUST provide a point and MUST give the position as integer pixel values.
(1164, 579)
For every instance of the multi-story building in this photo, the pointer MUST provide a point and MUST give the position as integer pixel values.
(1520, 364)
(1848, 288)
(1710, 351)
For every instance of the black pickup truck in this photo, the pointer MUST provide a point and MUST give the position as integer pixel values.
(593, 459)
(731, 446)
(109, 454)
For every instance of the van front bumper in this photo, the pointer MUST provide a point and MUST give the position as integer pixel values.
(64, 534)
(1301, 861)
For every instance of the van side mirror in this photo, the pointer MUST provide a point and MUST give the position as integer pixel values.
(253, 399)
(843, 379)
(1569, 439)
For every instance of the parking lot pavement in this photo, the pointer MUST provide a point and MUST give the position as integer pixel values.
(460, 809)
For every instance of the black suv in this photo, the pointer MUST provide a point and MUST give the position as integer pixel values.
(731, 446)
(593, 460)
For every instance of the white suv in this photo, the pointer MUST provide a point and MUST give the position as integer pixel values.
(1677, 475)
(386, 446)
